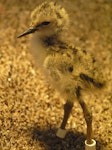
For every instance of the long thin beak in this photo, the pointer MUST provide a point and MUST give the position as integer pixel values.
(29, 31)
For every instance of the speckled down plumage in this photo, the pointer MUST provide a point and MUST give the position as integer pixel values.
(27, 116)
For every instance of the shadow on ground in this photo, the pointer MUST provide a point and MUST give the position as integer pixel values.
(72, 141)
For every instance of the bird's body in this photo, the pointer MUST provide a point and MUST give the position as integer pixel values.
(64, 66)
(68, 68)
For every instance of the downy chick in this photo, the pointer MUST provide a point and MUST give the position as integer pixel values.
(70, 69)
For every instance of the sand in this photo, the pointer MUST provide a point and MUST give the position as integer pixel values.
(30, 109)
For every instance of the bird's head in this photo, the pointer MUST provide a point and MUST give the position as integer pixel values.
(48, 19)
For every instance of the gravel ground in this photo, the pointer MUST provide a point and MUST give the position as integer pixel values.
(30, 109)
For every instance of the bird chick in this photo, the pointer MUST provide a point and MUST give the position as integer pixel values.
(70, 69)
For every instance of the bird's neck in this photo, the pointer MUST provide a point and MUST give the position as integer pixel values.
(52, 40)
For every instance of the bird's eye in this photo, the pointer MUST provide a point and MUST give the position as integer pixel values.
(45, 23)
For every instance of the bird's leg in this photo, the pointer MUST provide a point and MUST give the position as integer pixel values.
(88, 117)
(67, 110)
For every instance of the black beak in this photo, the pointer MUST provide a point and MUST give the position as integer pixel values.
(29, 31)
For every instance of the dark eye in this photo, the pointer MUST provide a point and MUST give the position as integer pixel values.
(45, 23)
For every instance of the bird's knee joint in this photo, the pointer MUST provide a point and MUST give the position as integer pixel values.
(68, 106)
(88, 117)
